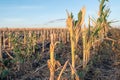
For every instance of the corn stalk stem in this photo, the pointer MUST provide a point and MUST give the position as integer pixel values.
(9, 40)
(64, 67)
(43, 42)
(0, 47)
(84, 51)
(72, 51)
(34, 40)
(3, 40)
(24, 37)
(52, 65)
(52, 58)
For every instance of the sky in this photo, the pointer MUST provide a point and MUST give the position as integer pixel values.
(49, 13)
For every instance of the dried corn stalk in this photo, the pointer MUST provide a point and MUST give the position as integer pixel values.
(9, 39)
(86, 46)
(34, 37)
(52, 62)
(0, 46)
(102, 21)
(74, 28)
(25, 37)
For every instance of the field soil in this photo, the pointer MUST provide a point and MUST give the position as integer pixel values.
(103, 65)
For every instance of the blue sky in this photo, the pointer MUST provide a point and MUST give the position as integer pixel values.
(30, 13)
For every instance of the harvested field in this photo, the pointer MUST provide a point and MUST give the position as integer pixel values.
(104, 65)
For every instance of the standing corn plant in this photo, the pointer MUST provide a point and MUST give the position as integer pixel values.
(34, 40)
(97, 33)
(52, 62)
(74, 27)
(102, 23)
(89, 37)
(0, 46)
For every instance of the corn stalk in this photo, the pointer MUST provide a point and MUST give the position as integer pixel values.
(24, 37)
(9, 39)
(0, 46)
(34, 40)
(74, 28)
(102, 21)
(43, 42)
(64, 67)
(87, 44)
(29, 42)
(3, 35)
(52, 62)
(98, 32)
(89, 39)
